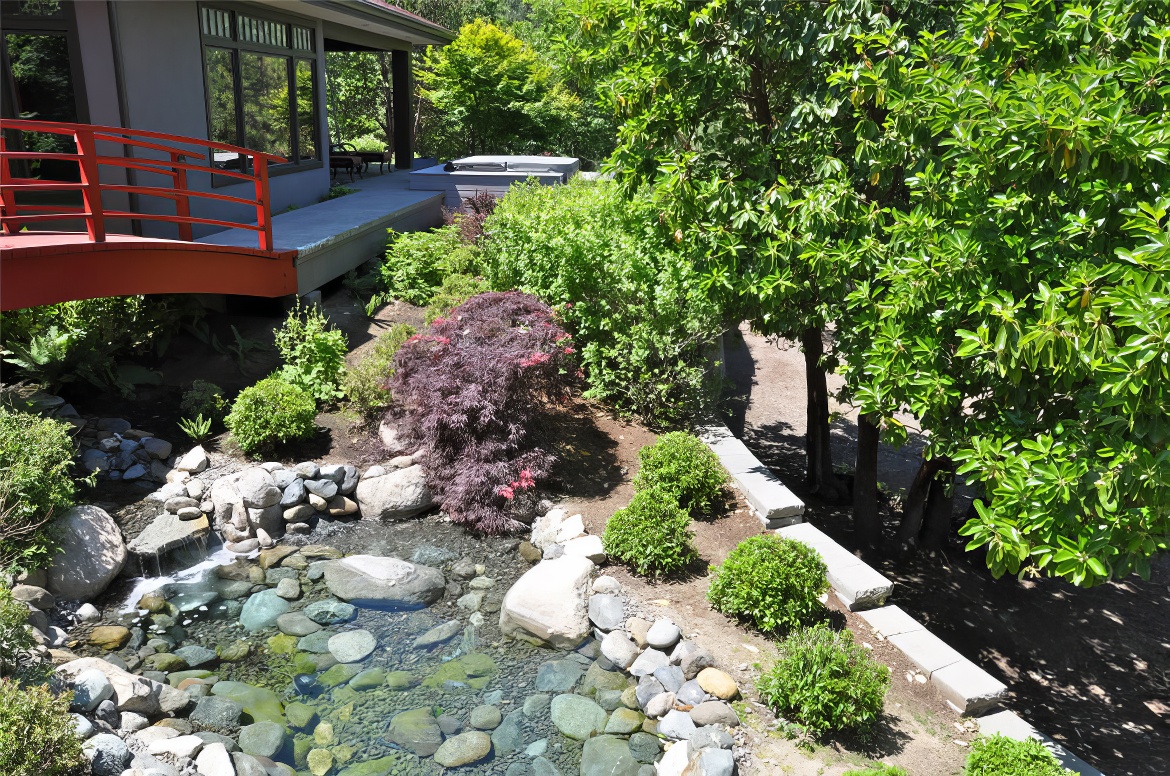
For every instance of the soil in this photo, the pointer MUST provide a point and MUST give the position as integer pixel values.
(1091, 668)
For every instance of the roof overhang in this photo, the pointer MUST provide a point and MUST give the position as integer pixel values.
(371, 24)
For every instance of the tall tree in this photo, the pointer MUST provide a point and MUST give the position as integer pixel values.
(1020, 307)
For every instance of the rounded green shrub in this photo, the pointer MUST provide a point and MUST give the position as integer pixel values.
(772, 582)
(268, 412)
(313, 351)
(366, 383)
(652, 535)
(36, 731)
(1002, 756)
(825, 682)
(36, 455)
(681, 465)
(203, 398)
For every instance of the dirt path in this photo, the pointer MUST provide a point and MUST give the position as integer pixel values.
(1089, 667)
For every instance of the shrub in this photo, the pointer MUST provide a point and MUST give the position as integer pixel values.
(473, 388)
(1002, 756)
(366, 384)
(825, 682)
(770, 581)
(203, 398)
(313, 353)
(36, 731)
(682, 466)
(635, 304)
(652, 535)
(456, 290)
(417, 262)
(16, 637)
(877, 769)
(35, 485)
(268, 412)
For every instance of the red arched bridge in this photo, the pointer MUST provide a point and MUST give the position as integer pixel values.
(43, 267)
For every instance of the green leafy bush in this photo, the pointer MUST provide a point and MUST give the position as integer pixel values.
(456, 290)
(417, 262)
(770, 581)
(1002, 756)
(825, 682)
(36, 731)
(681, 465)
(366, 384)
(313, 353)
(15, 635)
(268, 412)
(634, 303)
(652, 535)
(203, 398)
(35, 485)
(877, 769)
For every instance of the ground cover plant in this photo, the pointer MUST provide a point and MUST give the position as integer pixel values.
(1002, 756)
(456, 290)
(825, 682)
(36, 485)
(634, 303)
(685, 469)
(37, 733)
(770, 581)
(651, 535)
(366, 383)
(313, 352)
(880, 769)
(471, 390)
(269, 412)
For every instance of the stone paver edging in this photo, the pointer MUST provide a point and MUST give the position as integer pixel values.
(773, 503)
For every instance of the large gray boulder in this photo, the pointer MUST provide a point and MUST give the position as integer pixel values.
(92, 554)
(395, 495)
(550, 602)
(168, 532)
(257, 488)
(383, 583)
(131, 692)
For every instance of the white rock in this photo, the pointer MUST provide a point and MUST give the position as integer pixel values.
(196, 489)
(88, 613)
(180, 746)
(194, 461)
(152, 735)
(619, 648)
(131, 693)
(257, 488)
(674, 762)
(396, 495)
(572, 527)
(551, 602)
(649, 662)
(264, 539)
(663, 634)
(92, 554)
(214, 760)
(586, 547)
(132, 723)
(607, 585)
(545, 528)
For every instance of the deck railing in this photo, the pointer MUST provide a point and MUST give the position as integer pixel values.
(14, 215)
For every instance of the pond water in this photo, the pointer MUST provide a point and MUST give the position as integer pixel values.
(288, 675)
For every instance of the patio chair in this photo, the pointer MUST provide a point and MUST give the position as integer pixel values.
(343, 156)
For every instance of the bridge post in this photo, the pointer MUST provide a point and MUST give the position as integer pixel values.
(263, 207)
(182, 202)
(91, 193)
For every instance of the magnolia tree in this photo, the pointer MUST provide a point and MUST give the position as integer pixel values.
(1020, 306)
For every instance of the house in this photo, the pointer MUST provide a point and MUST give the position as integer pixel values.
(247, 75)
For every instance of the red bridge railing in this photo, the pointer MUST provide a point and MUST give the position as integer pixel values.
(14, 215)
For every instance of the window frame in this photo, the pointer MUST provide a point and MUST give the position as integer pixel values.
(291, 57)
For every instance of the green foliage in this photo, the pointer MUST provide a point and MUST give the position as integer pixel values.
(16, 637)
(1002, 756)
(37, 734)
(495, 92)
(825, 682)
(336, 191)
(680, 465)
(268, 412)
(652, 535)
(632, 301)
(313, 353)
(1020, 303)
(365, 384)
(203, 398)
(197, 428)
(770, 581)
(36, 455)
(877, 769)
(456, 290)
(417, 262)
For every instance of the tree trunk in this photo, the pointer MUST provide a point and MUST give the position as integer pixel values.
(867, 522)
(821, 479)
(939, 505)
(914, 507)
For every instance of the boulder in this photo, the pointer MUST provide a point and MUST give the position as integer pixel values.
(90, 688)
(92, 554)
(439, 634)
(416, 730)
(257, 488)
(215, 760)
(108, 755)
(382, 582)
(464, 748)
(676, 725)
(194, 460)
(578, 717)
(717, 683)
(131, 693)
(395, 495)
(587, 547)
(606, 611)
(550, 602)
(168, 532)
(711, 762)
(262, 610)
(608, 755)
(352, 646)
(714, 712)
(663, 634)
(262, 739)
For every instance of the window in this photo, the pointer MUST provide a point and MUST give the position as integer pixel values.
(261, 81)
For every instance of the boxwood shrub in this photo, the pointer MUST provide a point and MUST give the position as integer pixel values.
(825, 682)
(36, 484)
(36, 732)
(680, 465)
(652, 535)
(269, 412)
(772, 582)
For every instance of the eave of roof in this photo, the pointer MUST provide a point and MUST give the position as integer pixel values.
(400, 17)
